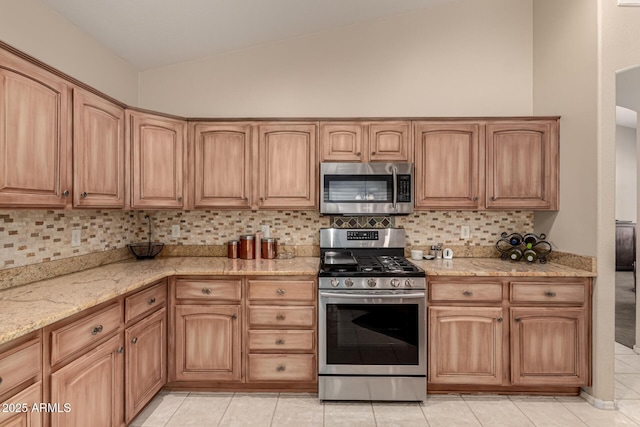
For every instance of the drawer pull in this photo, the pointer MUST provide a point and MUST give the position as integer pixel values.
(467, 293)
(134, 340)
(120, 350)
(280, 317)
(281, 368)
(96, 330)
(499, 319)
(550, 294)
(517, 319)
(281, 291)
(152, 301)
(279, 341)
(206, 291)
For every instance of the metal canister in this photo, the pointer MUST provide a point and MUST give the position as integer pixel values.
(233, 248)
(269, 248)
(247, 246)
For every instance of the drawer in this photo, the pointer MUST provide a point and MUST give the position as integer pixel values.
(282, 367)
(548, 292)
(209, 290)
(282, 317)
(282, 290)
(281, 340)
(465, 292)
(145, 302)
(84, 332)
(19, 365)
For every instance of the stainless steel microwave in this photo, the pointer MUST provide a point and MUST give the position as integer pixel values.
(366, 188)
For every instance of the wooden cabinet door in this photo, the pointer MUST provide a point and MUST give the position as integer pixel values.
(145, 361)
(207, 343)
(222, 165)
(25, 416)
(288, 169)
(522, 165)
(341, 142)
(157, 153)
(549, 346)
(34, 136)
(448, 165)
(466, 345)
(98, 152)
(389, 142)
(92, 385)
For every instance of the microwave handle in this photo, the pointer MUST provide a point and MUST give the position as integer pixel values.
(395, 187)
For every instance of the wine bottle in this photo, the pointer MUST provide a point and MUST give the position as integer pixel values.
(530, 255)
(515, 254)
(515, 239)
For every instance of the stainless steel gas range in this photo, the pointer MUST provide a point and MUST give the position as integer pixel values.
(371, 317)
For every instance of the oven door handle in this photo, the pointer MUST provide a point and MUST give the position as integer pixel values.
(395, 188)
(360, 296)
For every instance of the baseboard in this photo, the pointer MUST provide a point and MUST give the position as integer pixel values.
(599, 403)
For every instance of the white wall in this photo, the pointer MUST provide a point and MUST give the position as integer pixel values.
(30, 26)
(566, 72)
(626, 175)
(463, 58)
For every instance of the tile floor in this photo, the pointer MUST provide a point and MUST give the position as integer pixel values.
(301, 410)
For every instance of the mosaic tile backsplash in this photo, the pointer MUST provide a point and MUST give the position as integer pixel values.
(31, 237)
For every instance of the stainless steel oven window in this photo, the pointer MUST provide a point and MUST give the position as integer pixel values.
(365, 315)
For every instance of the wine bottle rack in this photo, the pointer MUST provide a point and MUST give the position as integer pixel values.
(529, 247)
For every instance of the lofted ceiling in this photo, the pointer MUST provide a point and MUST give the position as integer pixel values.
(154, 33)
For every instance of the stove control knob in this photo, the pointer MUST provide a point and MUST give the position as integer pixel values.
(372, 283)
(348, 283)
(395, 282)
(335, 282)
(408, 283)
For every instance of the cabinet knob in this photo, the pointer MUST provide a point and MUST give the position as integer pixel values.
(120, 350)
(373, 153)
(281, 291)
(467, 293)
(206, 291)
(65, 193)
(0, 380)
(280, 317)
(152, 300)
(358, 153)
(180, 199)
(499, 319)
(234, 317)
(279, 341)
(96, 330)
(83, 195)
(550, 294)
(281, 368)
(134, 340)
(517, 319)
(493, 198)
(475, 199)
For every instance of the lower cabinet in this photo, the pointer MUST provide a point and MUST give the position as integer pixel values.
(23, 409)
(509, 334)
(92, 387)
(207, 343)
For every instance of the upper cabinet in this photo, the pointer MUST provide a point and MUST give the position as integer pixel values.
(522, 165)
(287, 166)
(34, 136)
(448, 165)
(157, 152)
(492, 164)
(365, 141)
(98, 152)
(221, 165)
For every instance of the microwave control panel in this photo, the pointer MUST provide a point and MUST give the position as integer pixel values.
(404, 188)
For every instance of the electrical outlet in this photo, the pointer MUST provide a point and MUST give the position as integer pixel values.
(464, 232)
(76, 237)
(175, 230)
(265, 231)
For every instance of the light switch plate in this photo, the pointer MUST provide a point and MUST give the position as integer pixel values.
(76, 237)
(464, 232)
(175, 230)
(265, 231)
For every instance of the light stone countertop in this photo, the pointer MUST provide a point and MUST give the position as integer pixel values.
(30, 307)
(497, 267)
(27, 308)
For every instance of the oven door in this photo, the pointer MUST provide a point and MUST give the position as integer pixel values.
(372, 332)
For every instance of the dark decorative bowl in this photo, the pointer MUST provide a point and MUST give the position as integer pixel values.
(145, 250)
